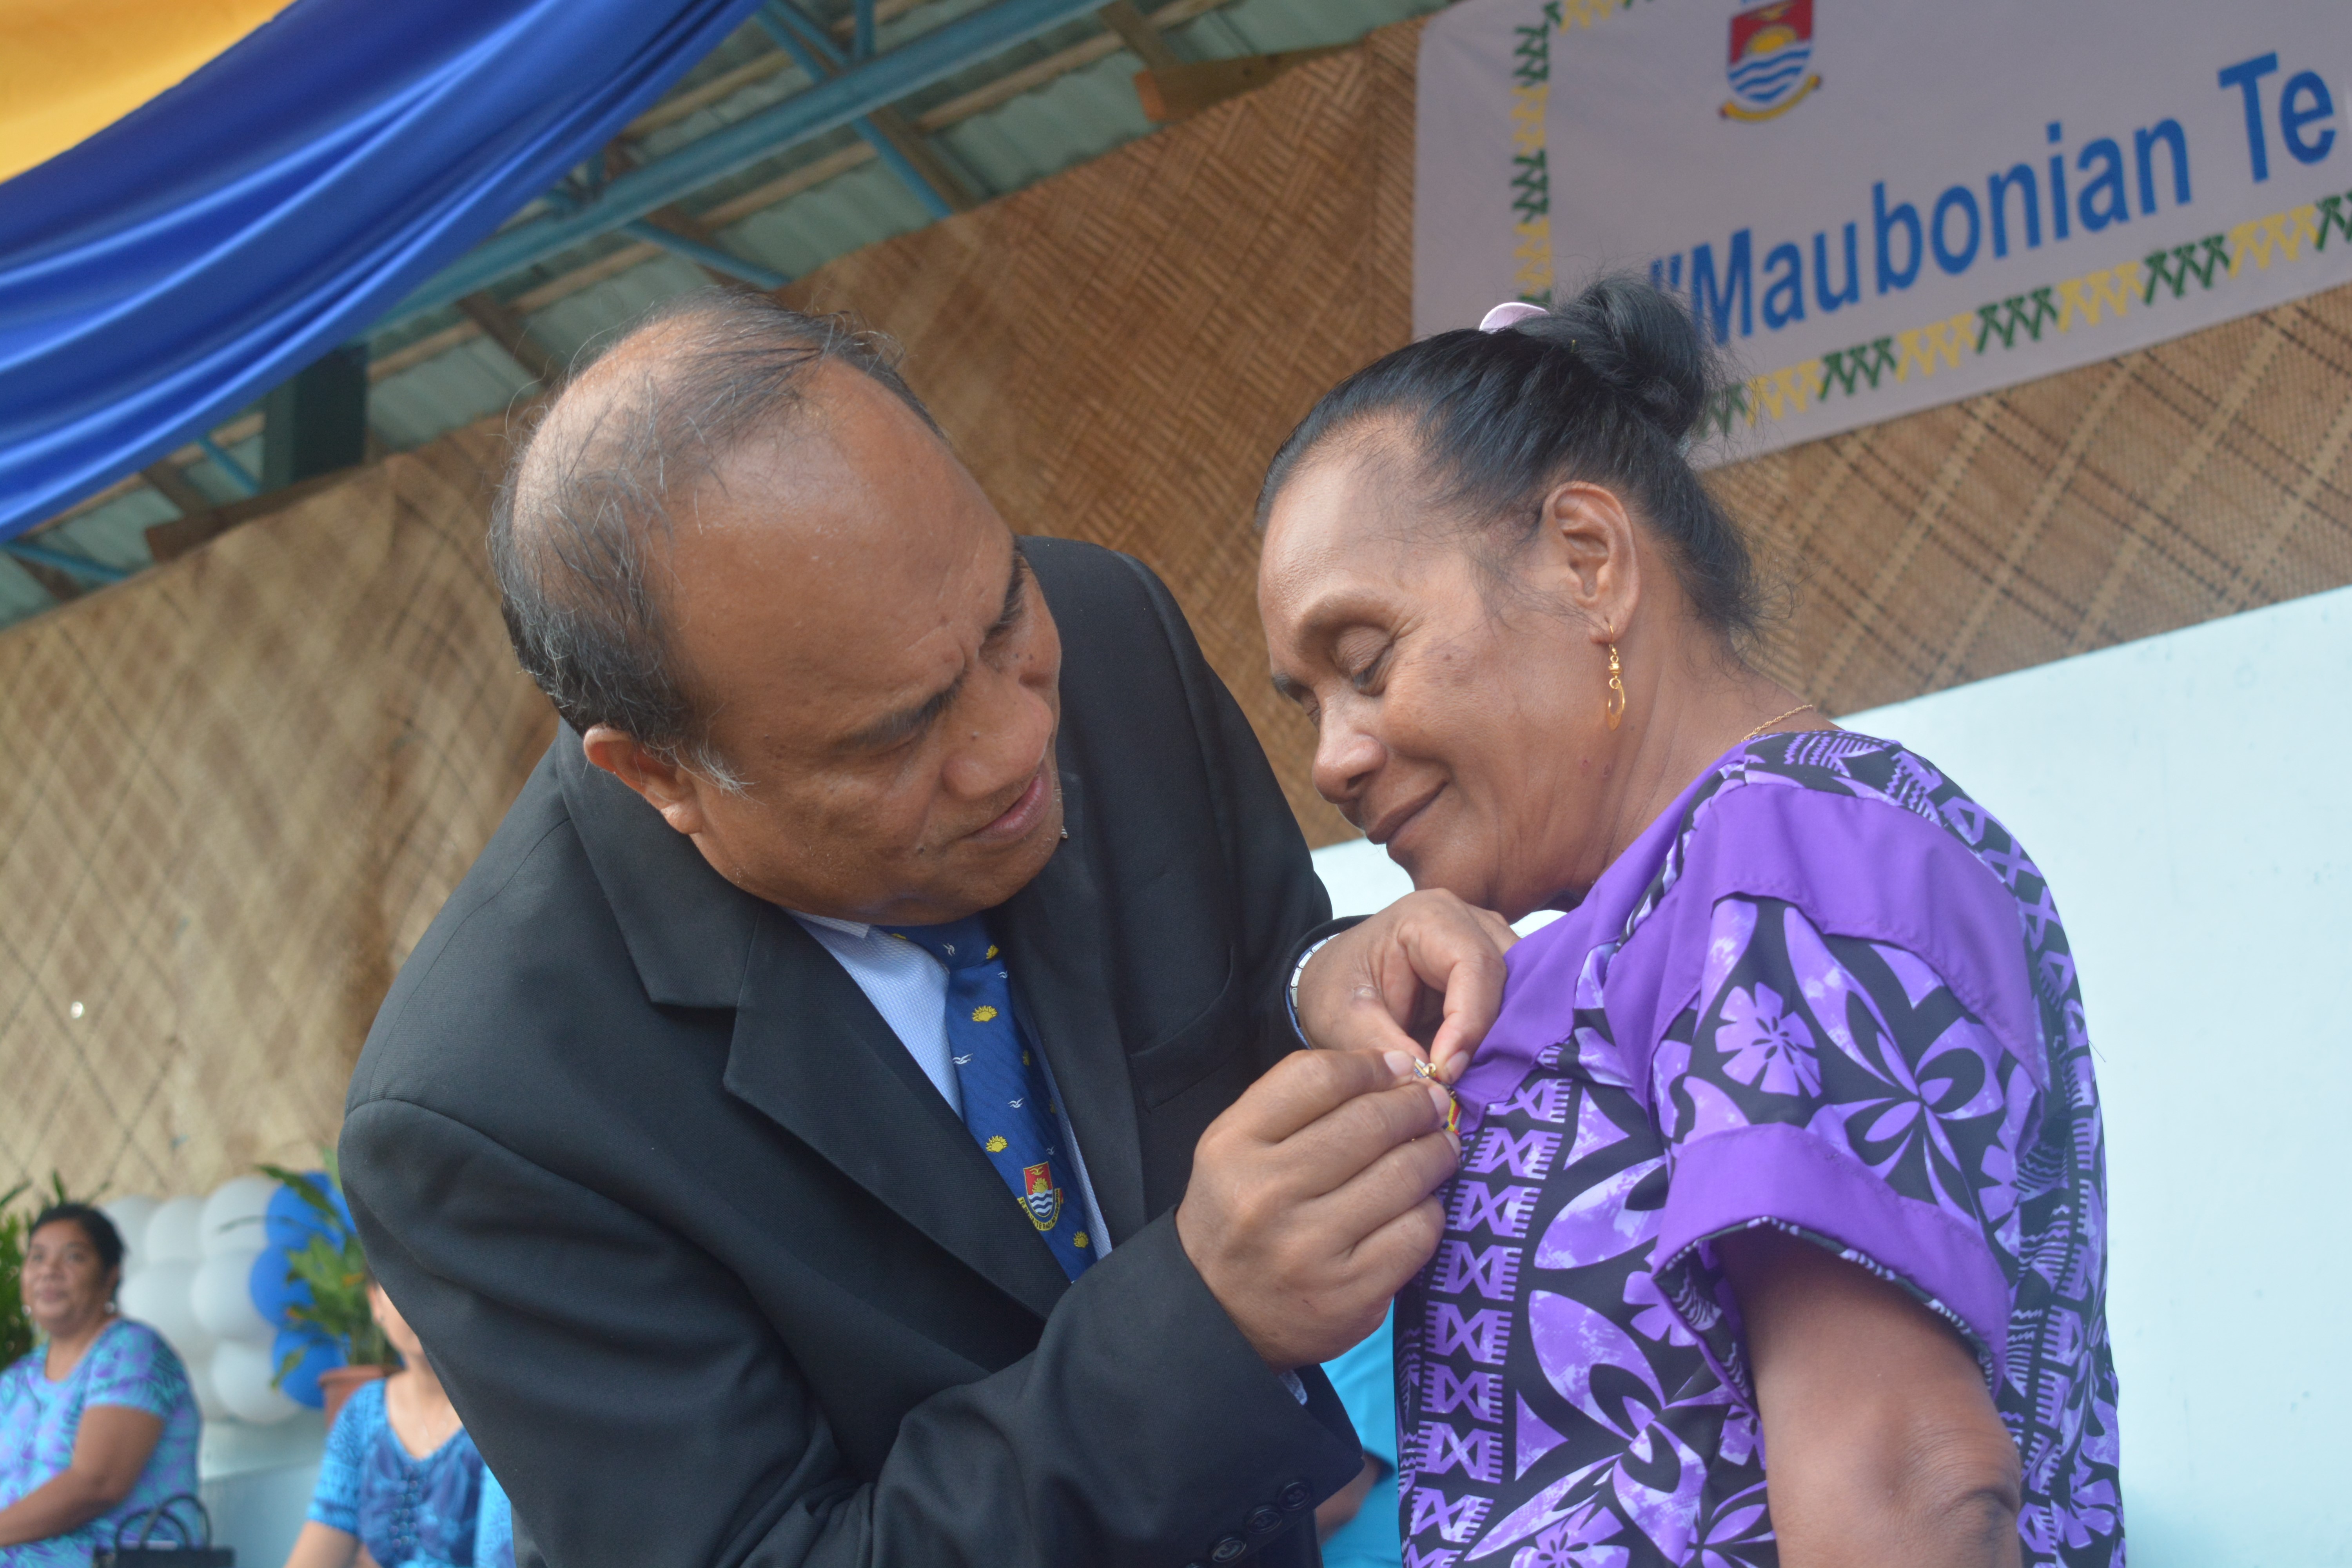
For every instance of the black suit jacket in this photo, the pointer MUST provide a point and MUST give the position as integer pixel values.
(715, 1275)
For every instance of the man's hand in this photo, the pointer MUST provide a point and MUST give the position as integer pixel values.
(1310, 1205)
(1425, 974)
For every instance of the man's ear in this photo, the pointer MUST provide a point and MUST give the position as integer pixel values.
(1591, 556)
(669, 789)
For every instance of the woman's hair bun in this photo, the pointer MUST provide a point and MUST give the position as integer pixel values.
(1640, 341)
(1607, 387)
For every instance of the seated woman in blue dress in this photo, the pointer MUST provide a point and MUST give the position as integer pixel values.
(401, 1479)
(97, 1424)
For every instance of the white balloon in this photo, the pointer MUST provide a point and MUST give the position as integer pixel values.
(208, 1399)
(159, 1296)
(231, 1221)
(130, 1214)
(241, 1377)
(222, 1295)
(172, 1232)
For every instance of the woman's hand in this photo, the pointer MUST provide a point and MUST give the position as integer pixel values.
(110, 1450)
(1423, 975)
(1881, 1445)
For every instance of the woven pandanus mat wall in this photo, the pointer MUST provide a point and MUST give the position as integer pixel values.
(237, 788)
(2203, 477)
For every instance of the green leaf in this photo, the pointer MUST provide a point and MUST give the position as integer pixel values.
(333, 1265)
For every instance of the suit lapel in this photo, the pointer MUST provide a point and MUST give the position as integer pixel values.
(1052, 933)
(812, 1054)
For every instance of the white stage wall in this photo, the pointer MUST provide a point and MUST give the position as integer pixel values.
(2185, 796)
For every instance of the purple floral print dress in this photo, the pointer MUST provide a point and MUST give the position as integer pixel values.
(1825, 992)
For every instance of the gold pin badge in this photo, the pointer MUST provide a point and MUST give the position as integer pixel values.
(1452, 1104)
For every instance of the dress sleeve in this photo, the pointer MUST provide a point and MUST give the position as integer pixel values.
(1834, 1087)
(135, 1367)
(335, 1499)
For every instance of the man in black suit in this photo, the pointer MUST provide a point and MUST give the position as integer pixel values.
(680, 1161)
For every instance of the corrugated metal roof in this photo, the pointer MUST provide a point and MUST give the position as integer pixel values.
(849, 200)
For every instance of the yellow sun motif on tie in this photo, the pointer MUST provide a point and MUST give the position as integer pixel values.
(1080, 1241)
(995, 1145)
(983, 1015)
(991, 953)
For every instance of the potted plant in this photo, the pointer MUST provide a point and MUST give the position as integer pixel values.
(331, 1273)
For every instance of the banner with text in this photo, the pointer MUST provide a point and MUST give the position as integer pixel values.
(1880, 208)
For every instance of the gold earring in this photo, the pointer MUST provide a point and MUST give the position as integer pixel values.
(1614, 707)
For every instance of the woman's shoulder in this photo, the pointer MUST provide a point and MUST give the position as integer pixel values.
(364, 1408)
(130, 1363)
(138, 1350)
(1810, 795)
(1843, 763)
(127, 1343)
(1868, 839)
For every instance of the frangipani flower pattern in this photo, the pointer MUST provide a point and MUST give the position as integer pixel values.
(1769, 1048)
(1778, 1008)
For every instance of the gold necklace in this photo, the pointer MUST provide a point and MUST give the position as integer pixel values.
(1776, 719)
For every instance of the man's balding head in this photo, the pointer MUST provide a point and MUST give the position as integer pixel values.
(747, 568)
(582, 528)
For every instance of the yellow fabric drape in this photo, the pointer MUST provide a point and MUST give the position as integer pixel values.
(70, 69)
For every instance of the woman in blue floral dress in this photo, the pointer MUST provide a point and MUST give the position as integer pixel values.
(401, 1479)
(1785, 1142)
(98, 1425)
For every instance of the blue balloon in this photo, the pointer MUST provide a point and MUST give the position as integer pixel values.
(314, 1353)
(272, 1289)
(289, 1223)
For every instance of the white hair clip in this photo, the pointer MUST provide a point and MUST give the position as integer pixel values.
(1509, 315)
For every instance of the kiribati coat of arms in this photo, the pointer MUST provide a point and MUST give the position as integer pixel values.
(1040, 1197)
(1771, 45)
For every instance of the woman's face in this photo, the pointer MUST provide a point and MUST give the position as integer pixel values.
(395, 1327)
(65, 1286)
(1460, 729)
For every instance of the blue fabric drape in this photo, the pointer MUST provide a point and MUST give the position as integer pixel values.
(171, 268)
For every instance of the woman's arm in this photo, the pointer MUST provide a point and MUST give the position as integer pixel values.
(111, 1448)
(1881, 1442)
(324, 1546)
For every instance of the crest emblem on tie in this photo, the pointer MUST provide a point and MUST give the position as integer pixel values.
(1040, 1197)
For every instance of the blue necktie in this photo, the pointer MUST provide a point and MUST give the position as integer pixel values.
(1007, 1105)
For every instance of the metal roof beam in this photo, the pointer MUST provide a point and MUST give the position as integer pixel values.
(236, 473)
(818, 59)
(865, 86)
(81, 566)
(707, 256)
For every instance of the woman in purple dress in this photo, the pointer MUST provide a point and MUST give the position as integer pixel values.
(1785, 1142)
